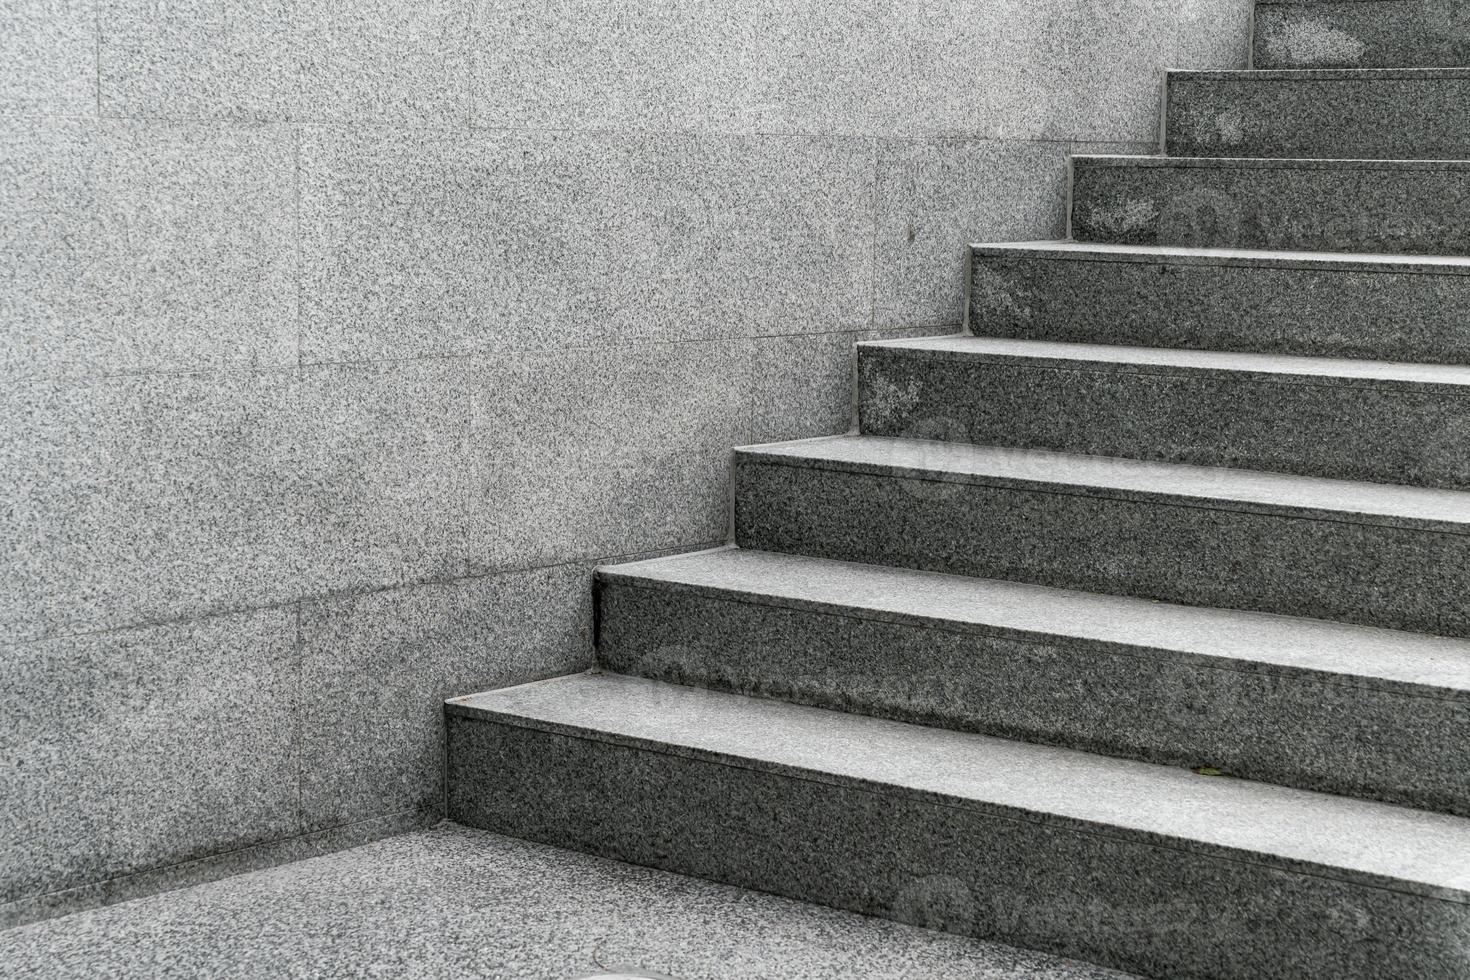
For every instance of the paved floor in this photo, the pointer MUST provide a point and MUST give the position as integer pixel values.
(454, 902)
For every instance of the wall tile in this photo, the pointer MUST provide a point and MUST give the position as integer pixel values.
(417, 244)
(972, 68)
(384, 61)
(324, 60)
(936, 197)
(142, 499)
(141, 748)
(801, 386)
(449, 468)
(378, 668)
(48, 58)
(197, 59)
(133, 248)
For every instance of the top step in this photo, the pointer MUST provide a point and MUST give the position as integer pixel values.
(1361, 34)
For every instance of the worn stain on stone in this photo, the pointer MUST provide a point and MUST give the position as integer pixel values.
(1313, 42)
(994, 293)
(1230, 125)
(886, 398)
(1125, 217)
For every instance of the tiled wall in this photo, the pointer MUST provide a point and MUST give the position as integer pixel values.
(340, 339)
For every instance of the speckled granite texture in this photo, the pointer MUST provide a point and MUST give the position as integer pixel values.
(1283, 303)
(453, 902)
(1300, 703)
(1349, 420)
(1388, 115)
(1361, 33)
(975, 836)
(1401, 207)
(1116, 526)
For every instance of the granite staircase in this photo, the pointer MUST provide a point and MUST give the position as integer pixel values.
(1135, 626)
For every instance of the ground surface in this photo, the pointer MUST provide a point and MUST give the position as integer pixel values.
(454, 902)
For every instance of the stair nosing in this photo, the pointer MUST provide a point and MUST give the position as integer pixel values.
(1068, 250)
(792, 454)
(481, 708)
(1320, 74)
(632, 575)
(1054, 355)
(1156, 161)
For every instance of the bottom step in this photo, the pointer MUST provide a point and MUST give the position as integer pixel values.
(1150, 869)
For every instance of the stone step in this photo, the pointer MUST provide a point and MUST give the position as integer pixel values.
(1349, 420)
(1379, 114)
(1365, 553)
(1378, 307)
(1361, 34)
(1396, 206)
(1151, 869)
(1362, 712)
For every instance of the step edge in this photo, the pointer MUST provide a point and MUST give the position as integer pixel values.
(912, 349)
(465, 709)
(1121, 161)
(1432, 73)
(765, 456)
(1135, 651)
(1345, 262)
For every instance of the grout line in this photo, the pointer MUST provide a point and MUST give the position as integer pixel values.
(349, 593)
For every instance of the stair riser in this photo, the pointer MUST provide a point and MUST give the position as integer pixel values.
(1362, 34)
(1065, 537)
(1350, 209)
(1287, 728)
(1311, 311)
(1384, 119)
(1110, 899)
(1305, 426)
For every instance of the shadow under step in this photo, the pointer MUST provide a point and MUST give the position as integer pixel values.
(1365, 553)
(1332, 304)
(1381, 114)
(1395, 206)
(1326, 706)
(1149, 869)
(1361, 34)
(1349, 420)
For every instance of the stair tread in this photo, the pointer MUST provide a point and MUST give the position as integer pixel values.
(1357, 655)
(1369, 843)
(1217, 487)
(1339, 370)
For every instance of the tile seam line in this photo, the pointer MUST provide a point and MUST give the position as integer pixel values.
(1202, 372)
(1078, 825)
(214, 856)
(286, 604)
(1158, 498)
(472, 128)
(1039, 639)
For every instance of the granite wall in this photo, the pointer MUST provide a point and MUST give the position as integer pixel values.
(342, 338)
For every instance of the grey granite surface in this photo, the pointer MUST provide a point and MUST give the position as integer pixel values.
(419, 244)
(1351, 420)
(956, 68)
(1380, 114)
(453, 902)
(48, 48)
(143, 747)
(364, 61)
(1360, 553)
(1389, 308)
(1397, 206)
(988, 837)
(1361, 34)
(377, 668)
(128, 248)
(1257, 715)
